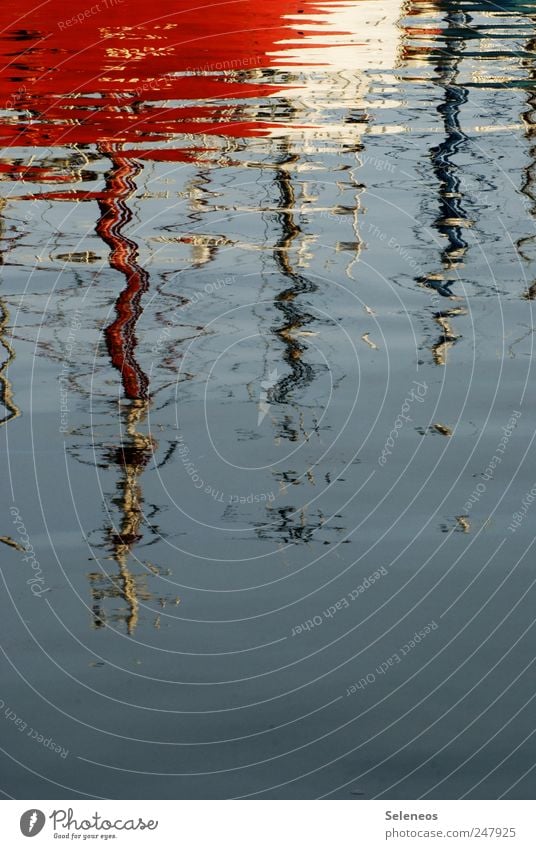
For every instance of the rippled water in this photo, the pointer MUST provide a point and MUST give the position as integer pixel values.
(266, 315)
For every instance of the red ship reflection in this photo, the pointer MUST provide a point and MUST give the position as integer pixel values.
(114, 73)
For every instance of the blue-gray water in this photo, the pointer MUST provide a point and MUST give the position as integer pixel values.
(269, 413)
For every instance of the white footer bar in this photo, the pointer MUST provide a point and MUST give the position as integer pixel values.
(269, 824)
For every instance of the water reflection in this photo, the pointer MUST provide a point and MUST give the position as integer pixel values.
(6, 390)
(115, 215)
(447, 337)
(446, 48)
(525, 244)
(112, 86)
(297, 99)
(287, 301)
(452, 218)
(131, 458)
(131, 583)
(221, 212)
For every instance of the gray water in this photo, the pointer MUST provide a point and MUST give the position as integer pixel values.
(327, 380)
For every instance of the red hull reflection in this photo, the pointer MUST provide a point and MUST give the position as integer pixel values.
(102, 72)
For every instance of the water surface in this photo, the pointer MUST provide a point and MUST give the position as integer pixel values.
(266, 311)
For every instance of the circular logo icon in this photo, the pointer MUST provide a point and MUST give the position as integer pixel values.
(31, 822)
